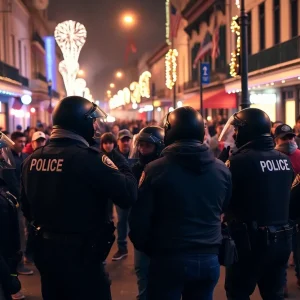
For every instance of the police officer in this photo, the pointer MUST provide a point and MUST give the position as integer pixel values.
(177, 218)
(10, 254)
(65, 190)
(259, 208)
(148, 146)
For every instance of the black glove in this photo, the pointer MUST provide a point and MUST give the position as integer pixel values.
(224, 155)
(118, 159)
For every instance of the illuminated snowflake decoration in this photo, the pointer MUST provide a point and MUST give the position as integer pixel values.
(70, 37)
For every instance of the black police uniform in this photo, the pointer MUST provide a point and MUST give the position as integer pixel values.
(65, 190)
(258, 217)
(10, 254)
(176, 220)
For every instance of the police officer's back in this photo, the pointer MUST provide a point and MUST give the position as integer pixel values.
(176, 220)
(259, 208)
(65, 190)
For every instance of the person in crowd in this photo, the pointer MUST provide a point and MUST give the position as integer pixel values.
(297, 131)
(148, 146)
(115, 130)
(285, 143)
(124, 144)
(19, 140)
(108, 143)
(67, 203)
(38, 139)
(177, 218)
(258, 213)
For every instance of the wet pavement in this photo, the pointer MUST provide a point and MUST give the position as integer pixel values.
(124, 281)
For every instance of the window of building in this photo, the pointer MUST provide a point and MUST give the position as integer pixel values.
(276, 12)
(294, 17)
(262, 35)
(20, 55)
(4, 37)
(221, 59)
(250, 32)
(195, 71)
(25, 61)
(13, 47)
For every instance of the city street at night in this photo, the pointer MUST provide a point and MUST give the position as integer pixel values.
(124, 281)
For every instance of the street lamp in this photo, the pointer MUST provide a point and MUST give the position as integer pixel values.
(112, 85)
(245, 103)
(119, 74)
(80, 73)
(128, 19)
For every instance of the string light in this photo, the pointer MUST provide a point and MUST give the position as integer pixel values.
(237, 3)
(144, 84)
(168, 22)
(171, 68)
(235, 55)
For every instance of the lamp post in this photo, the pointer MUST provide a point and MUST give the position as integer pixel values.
(50, 98)
(245, 102)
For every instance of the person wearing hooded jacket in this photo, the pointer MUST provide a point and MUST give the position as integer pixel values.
(147, 147)
(177, 218)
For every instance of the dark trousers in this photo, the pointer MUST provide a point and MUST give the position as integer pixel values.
(186, 277)
(264, 266)
(69, 272)
(122, 228)
(141, 267)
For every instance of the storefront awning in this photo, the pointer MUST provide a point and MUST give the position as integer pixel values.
(213, 99)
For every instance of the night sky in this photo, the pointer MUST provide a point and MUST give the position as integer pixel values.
(104, 50)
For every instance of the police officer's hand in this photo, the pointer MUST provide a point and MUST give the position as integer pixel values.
(224, 155)
(118, 159)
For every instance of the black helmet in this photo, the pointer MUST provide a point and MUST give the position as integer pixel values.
(78, 115)
(184, 123)
(149, 134)
(251, 123)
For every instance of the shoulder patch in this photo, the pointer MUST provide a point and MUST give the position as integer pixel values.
(296, 181)
(142, 178)
(227, 163)
(108, 162)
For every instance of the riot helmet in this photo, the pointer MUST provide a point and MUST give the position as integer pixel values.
(78, 115)
(150, 135)
(184, 123)
(247, 125)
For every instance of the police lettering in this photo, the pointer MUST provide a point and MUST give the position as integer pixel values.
(47, 165)
(275, 165)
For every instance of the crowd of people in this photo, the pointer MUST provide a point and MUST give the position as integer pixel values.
(167, 254)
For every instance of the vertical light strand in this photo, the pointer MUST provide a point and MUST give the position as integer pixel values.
(168, 41)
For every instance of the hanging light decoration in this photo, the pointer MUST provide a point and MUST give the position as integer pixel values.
(235, 55)
(171, 68)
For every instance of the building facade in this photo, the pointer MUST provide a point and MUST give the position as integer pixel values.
(15, 65)
(274, 57)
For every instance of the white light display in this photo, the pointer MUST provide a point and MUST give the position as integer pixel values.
(26, 99)
(70, 37)
(80, 85)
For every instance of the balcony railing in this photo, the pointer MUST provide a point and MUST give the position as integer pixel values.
(278, 54)
(12, 73)
(9, 72)
(41, 77)
(24, 81)
(37, 38)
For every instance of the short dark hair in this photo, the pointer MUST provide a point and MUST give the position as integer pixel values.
(15, 135)
(108, 137)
